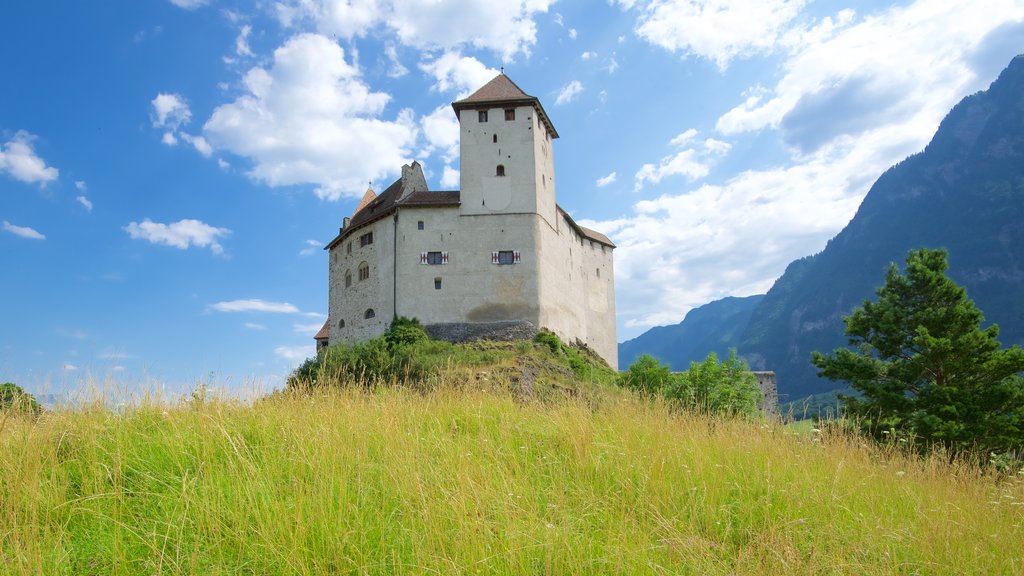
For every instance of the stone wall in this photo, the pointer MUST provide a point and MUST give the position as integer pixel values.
(468, 332)
(770, 403)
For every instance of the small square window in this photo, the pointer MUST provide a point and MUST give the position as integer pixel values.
(482, 116)
(506, 257)
(435, 258)
(366, 239)
(419, 225)
(437, 283)
(510, 114)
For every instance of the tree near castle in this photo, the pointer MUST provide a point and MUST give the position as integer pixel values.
(925, 368)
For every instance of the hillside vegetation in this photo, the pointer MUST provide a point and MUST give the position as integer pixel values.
(471, 476)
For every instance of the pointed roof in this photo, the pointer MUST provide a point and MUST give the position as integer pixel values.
(370, 196)
(499, 92)
(324, 332)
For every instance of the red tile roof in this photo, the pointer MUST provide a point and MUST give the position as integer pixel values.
(324, 332)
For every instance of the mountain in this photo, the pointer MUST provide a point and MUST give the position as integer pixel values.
(714, 327)
(964, 193)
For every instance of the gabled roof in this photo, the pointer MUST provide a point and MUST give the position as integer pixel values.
(585, 232)
(324, 332)
(367, 198)
(499, 92)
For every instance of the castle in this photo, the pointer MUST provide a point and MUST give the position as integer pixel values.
(498, 259)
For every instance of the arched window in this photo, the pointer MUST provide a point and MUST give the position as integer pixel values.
(341, 323)
(364, 271)
(369, 313)
(501, 170)
(348, 278)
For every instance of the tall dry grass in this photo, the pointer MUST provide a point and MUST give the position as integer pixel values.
(477, 482)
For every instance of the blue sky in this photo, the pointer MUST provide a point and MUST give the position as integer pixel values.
(171, 169)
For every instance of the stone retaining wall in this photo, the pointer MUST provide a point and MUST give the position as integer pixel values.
(467, 332)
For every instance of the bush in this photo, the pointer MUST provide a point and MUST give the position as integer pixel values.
(726, 387)
(647, 376)
(12, 397)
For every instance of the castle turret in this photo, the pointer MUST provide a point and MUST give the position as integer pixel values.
(507, 161)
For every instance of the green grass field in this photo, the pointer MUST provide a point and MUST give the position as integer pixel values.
(466, 479)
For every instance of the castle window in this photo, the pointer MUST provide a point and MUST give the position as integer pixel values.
(504, 257)
(433, 258)
(348, 278)
(419, 225)
(369, 313)
(364, 271)
(366, 239)
(598, 272)
(482, 116)
(494, 138)
(341, 323)
(500, 170)
(510, 114)
(349, 249)
(437, 283)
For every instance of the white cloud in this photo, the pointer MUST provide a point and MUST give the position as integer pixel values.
(441, 130)
(588, 55)
(454, 72)
(397, 70)
(199, 143)
(169, 139)
(81, 185)
(189, 4)
(312, 247)
(295, 355)
(180, 234)
(310, 119)
(223, 164)
(572, 33)
(905, 66)
(242, 41)
(686, 163)
(569, 92)
(450, 178)
(254, 326)
(719, 30)
(606, 180)
(684, 137)
(309, 329)
(170, 111)
(254, 305)
(18, 159)
(23, 231)
(85, 202)
(507, 28)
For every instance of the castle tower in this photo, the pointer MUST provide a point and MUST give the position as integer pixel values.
(507, 161)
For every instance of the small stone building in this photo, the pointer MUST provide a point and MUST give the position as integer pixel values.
(497, 259)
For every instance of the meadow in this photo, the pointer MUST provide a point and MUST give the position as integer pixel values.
(471, 478)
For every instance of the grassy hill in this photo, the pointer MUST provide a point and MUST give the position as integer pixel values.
(470, 475)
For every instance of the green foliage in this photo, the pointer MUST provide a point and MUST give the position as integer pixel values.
(924, 367)
(646, 375)
(549, 339)
(12, 397)
(404, 331)
(711, 386)
(717, 387)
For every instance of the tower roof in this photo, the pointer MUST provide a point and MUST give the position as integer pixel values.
(502, 91)
(370, 196)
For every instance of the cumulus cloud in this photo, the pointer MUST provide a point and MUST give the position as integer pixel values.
(254, 305)
(450, 178)
(606, 180)
(85, 202)
(719, 30)
(254, 326)
(310, 119)
(22, 231)
(170, 111)
(181, 234)
(242, 41)
(907, 65)
(397, 70)
(693, 163)
(19, 159)
(588, 55)
(507, 28)
(453, 72)
(199, 143)
(569, 92)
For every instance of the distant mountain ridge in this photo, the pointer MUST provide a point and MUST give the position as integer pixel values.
(964, 192)
(714, 327)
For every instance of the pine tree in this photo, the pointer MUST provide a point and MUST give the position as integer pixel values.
(925, 368)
